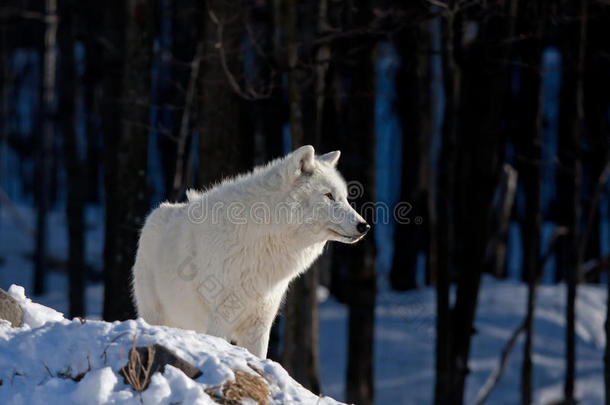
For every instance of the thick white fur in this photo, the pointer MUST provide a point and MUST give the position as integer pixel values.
(201, 266)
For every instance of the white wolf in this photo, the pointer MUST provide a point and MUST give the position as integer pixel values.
(221, 262)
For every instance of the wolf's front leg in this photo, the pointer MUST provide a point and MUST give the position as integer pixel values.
(259, 346)
(255, 339)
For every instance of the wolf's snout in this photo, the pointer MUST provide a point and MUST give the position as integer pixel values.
(363, 227)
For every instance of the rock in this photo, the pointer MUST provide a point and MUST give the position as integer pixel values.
(161, 356)
(10, 309)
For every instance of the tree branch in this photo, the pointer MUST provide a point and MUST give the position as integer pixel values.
(250, 94)
(494, 377)
(601, 182)
(184, 124)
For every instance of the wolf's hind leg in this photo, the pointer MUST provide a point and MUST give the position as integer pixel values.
(147, 302)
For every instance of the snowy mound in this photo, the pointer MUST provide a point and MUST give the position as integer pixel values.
(50, 359)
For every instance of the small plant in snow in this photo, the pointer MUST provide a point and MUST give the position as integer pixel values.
(135, 372)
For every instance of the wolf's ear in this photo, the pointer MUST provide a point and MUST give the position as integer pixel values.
(332, 158)
(301, 161)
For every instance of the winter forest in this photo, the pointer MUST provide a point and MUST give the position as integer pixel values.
(478, 131)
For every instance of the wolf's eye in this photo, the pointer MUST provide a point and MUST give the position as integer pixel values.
(329, 196)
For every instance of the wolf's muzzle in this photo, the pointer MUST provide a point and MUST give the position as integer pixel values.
(363, 227)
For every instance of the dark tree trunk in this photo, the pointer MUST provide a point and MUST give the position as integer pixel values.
(45, 149)
(476, 92)
(114, 29)
(361, 165)
(597, 99)
(357, 143)
(596, 82)
(178, 94)
(446, 198)
(126, 187)
(112, 56)
(274, 116)
(300, 356)
(572, 274)
(295, 107)
(75, 203)
(484, 86)
(223, 149)
(181, 175)
(6, 51)
(414, 110)
(573, 110)
(271, 113)
(90, 27)
(529, 150)
(171, 82)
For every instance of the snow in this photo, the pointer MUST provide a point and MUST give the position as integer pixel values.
(39, 360)
(33, 357)
(405, 343)
(34, 315)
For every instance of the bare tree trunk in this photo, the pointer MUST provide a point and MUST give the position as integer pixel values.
(432, 258)
(272, 118)
(596, 85)
(573, 268)
(6, 51)
(128, 190)
(92, 80)
(274, 112)
(181, 91)
(300, 356)
(496, 247)
(531, 227)
(292, 58)
(360, 382)
(570, 144)
(358, 145)
(114, 30)
(464, 218)
(485, 76)
(5, 63)
(576, 254)
(446, 198)
(75, 203)
(414, 110)
(46, 145)
(184, 134)
(223, 149)
(530, 154)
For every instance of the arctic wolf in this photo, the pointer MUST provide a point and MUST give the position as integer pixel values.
(221, 262)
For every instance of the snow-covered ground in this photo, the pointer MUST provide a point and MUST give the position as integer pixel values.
(40, 360)
(404, 348)
(405, 338)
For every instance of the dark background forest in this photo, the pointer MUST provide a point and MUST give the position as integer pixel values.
(490, 120)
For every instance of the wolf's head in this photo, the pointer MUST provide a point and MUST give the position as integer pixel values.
(320, 193)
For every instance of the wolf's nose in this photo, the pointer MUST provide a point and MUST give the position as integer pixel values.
(363, 227)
